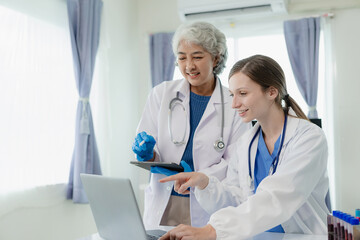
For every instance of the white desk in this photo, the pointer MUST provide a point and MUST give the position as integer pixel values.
(287, 236)
(262, 236)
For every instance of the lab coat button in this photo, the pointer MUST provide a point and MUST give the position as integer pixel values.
(168, 188)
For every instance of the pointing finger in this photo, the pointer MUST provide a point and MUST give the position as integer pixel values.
(171, 178)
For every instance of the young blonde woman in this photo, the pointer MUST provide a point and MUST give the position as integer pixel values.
(277, 179)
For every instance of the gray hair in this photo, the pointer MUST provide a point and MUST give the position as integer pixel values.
(205, 35)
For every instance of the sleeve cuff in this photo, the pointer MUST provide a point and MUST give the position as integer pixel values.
(203, 196)
(220, 234)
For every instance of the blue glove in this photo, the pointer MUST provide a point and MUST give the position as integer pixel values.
(168, 172)
(143, 146)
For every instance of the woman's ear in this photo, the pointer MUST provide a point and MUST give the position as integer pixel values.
(272, 92)
(216, 61)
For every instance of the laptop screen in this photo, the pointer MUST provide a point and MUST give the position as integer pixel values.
(113, 204)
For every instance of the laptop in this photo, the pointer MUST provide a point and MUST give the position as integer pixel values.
(115, 210)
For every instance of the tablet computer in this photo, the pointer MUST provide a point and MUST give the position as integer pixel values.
(148, 165)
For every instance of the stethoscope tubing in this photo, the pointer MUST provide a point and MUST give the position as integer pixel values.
(219, 144)
(222, 112)
(171, 106)
(275, 162)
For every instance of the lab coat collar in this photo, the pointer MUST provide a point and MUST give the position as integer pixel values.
(291, 127)
(216, 94)
(292, 124)
(183, 89)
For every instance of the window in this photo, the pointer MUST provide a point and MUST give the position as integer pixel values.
(38, 101)
(273, 46)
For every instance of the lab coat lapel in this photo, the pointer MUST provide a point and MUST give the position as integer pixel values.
(184, 90)
(213, 105)
(184, 95)
(248, 183)
(291, 127)
(253, 149)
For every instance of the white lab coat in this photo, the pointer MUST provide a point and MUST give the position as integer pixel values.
(294, 196)
(206, 159)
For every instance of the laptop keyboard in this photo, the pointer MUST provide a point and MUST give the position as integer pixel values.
(151, 237)
(154, 234)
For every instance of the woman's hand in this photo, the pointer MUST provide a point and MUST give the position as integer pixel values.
(187, 179)
(143, 147)
(184, 232)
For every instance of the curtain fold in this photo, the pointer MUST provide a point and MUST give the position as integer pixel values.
(302, 42)
(162, 59)
(84, 22)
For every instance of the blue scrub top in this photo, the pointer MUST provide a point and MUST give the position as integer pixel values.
(198, 105)
(263, 161)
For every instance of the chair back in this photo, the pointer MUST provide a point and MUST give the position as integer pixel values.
(317, 121)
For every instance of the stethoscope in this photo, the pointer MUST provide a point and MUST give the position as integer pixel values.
(219, 144)
(275, 162)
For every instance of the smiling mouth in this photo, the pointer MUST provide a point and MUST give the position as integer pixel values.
(193, 74)
(242, 111)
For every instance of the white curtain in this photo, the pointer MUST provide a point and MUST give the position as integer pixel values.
(37, 98)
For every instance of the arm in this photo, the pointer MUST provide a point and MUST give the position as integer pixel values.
(149, 121)
(278, 196)
(209, 191)
(219, 194)
(188, 232)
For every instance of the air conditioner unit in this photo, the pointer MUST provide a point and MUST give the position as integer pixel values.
(215, 9)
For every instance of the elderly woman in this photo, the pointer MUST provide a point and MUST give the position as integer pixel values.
(189, 121)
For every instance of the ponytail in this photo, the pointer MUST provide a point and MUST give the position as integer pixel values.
(291, 103)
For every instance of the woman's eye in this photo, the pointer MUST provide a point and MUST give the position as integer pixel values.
(198, 57)
(181, 58)
(231, 95)
(242, 93)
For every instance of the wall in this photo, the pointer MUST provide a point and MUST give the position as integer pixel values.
(117, 74)
(43, 213)
(163, 18)
(346, 99)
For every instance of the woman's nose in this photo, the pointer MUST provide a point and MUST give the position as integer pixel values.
(235, 102)
(189, 65)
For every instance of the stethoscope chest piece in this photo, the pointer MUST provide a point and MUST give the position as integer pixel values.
(219, 145)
